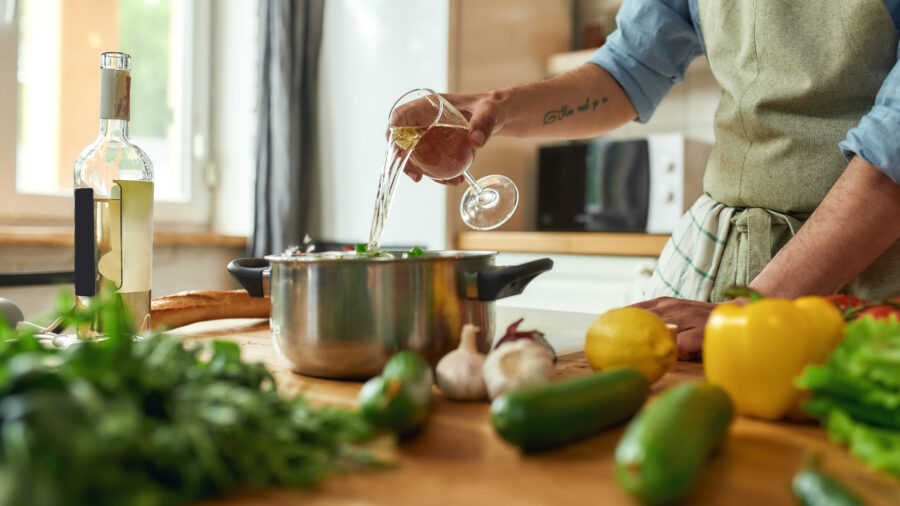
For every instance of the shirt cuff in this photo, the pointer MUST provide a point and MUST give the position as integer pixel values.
(876, 141)
(644, 87)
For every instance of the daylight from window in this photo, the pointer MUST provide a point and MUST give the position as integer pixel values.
(58, 73)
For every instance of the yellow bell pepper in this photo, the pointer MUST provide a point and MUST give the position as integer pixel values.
(754, 352)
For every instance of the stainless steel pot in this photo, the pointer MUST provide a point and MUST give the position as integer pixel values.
(343, 318)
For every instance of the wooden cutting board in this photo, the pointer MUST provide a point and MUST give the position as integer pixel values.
(458, 458)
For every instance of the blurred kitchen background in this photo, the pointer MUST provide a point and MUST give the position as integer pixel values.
(219, 87)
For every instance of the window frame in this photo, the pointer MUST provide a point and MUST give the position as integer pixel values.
(24, 209)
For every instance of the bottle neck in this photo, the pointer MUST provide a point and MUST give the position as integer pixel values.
(114, 128)
(115, 95)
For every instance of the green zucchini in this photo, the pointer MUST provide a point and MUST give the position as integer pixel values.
(665, 447)
(815, 488)
(547, 416)
(399, 398)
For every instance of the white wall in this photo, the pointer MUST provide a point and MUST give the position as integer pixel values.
(372, 52)
(234, 113)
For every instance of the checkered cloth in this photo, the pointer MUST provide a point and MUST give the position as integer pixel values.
(689, 262)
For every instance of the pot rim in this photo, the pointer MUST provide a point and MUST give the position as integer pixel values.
(431, 256)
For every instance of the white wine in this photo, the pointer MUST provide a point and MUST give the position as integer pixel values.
(108, 239)
(109, 244)
(441, 151)
(114, 204)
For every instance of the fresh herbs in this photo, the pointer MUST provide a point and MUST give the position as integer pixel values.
(857, 393)
(362, 251)
(146, 421)
(415, 252)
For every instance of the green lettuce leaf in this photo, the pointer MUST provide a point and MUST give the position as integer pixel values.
(857, 392)
(879, 448)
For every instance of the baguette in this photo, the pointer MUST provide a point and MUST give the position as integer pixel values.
(189, 307)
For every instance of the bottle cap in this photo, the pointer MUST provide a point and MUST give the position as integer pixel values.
(115, 61)
(115, 86)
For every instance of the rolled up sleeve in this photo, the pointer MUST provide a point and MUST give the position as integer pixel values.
(650, 51)
(877, 136)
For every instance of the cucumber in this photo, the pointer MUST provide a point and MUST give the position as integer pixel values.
(399, 398)
(547, 416)
(815, 488)
(664, 448)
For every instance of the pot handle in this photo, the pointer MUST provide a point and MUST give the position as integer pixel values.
(501, 282)
(252, 274)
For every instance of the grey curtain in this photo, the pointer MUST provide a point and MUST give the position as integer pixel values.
(290, 38)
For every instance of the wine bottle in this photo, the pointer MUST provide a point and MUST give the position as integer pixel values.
(114, 203)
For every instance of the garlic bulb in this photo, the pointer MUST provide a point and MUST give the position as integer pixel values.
(459, 373)
(517, 364)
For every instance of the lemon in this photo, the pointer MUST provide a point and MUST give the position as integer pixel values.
(630, 337)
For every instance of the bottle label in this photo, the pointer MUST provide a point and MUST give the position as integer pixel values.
(114, 238)
(137, 235)
(115, 94)
(85, 250)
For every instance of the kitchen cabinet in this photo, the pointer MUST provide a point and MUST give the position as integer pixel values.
(583, 283)
(592, 272)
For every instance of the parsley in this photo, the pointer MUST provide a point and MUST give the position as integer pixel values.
(146, 421)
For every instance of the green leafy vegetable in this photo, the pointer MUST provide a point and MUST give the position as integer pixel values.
(146, 421)
(362, 251)
(857, 393)
(415, 252)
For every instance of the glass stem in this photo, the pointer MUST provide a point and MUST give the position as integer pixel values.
(472, 183)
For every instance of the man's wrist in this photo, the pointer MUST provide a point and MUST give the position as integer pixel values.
(501, 98)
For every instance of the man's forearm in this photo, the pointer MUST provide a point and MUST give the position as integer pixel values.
(854, 224)
(584, 102)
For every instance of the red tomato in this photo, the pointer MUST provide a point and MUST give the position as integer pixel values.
(846, 302)
(880, 312)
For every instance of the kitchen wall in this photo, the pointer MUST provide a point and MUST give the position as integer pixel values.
(496, 44)
(373, 52)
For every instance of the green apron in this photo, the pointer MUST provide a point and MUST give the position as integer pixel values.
(795, 77)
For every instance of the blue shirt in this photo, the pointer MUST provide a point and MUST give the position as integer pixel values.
(657, 40)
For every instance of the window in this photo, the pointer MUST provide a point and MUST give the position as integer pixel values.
(50, 91)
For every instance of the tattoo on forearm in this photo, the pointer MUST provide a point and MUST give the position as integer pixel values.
(563, 112)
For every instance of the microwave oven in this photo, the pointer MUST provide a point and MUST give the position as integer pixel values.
(602, 185)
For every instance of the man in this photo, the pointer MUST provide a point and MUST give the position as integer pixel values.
(807, 134)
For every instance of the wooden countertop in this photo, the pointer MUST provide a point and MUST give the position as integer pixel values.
(575, 243)
(64, 236)
(458, 458)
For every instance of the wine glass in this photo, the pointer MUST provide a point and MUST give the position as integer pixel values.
(436, 133)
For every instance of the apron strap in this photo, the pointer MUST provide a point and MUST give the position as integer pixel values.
(757, 237)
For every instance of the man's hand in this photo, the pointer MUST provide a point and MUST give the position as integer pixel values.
(689, 315)
(481, 113)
